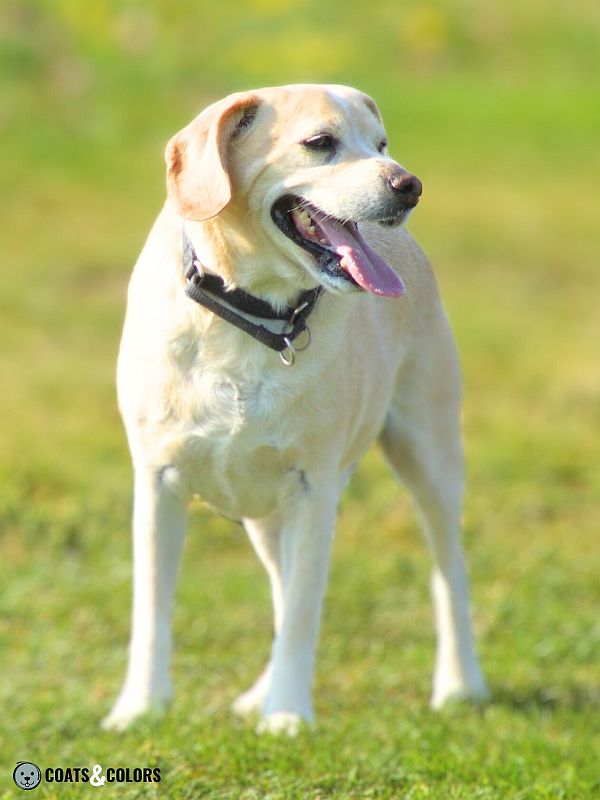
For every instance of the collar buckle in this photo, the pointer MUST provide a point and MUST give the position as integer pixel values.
(211, 292)
(195, 273)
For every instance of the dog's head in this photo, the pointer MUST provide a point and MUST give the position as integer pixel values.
(302, 167)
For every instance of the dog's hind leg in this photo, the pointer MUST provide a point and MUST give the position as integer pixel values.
(159, 520)
(422, 441)
(305, 545)
(265, 538)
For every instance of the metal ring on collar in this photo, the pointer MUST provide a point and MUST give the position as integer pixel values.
(288, 360)
(297, 311)
(305, 330)
(199, 269)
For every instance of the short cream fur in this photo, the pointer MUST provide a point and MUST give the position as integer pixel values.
(210, 412)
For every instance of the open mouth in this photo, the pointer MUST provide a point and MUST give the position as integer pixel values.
(339, 249)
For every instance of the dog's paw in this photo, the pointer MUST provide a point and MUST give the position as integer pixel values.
(475, 691)
(248, 703)
(123, 715)
(252, 700)
(120, 718)
(281, 723)
(125, 712)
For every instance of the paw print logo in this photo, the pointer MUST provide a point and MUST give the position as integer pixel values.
(27, 775)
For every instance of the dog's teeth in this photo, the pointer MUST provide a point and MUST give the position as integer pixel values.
(323, 241)
(305, 223)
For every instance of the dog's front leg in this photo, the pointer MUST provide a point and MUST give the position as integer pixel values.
(159, 519)
(305, 542)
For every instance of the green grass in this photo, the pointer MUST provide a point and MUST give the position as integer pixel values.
(496, 110)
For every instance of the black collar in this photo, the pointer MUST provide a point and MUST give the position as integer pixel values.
(205, 288)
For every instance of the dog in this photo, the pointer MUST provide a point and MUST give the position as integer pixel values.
(279, 320)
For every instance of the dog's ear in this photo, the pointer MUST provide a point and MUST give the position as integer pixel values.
(197, 176)
(372, 106)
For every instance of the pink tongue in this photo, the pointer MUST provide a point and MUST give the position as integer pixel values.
(366, 266)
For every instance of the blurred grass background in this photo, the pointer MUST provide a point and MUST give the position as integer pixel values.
(497, 108)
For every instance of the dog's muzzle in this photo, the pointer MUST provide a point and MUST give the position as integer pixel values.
(340, 251)
(403, 191)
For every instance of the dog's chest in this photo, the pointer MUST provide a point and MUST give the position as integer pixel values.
(232, 446)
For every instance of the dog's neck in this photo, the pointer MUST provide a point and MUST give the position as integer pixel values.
(235, 305)
(238, 257)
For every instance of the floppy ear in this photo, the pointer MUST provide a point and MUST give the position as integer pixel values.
(197, 178)
(371, 105)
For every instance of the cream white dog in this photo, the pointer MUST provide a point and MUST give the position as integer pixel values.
(278, 322)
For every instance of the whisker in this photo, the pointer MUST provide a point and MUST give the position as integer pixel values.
(322, 216)
(302, 205)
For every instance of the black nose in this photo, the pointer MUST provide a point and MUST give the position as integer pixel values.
(407, 185)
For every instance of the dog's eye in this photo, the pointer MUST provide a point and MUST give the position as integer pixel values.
(382, 145)
(321, 141)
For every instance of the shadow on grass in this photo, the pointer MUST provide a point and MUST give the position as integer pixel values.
(527, 700)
